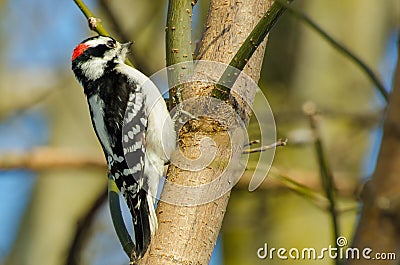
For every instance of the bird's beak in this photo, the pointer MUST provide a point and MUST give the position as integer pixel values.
(126, 45)
(125, 49)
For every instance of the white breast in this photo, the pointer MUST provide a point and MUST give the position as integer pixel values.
(97, 107)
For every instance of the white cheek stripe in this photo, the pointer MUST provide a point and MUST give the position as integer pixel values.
(93, 68)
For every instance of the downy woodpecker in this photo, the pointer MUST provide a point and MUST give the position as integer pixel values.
(132, 123)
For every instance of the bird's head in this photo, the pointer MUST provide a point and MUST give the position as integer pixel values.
(91, 57)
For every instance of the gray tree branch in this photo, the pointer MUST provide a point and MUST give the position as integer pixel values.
(379, 226)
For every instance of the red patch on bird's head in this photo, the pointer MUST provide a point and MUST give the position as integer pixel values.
(81, 48)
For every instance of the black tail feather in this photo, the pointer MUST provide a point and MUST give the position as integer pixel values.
(141, 223)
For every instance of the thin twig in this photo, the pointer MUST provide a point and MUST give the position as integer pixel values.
(304, 191)
(139, 61)
(246, 50)
(340, 47)
(252, 142)
(310, 179)
(82, 230)
(312, 194)
(280, 142)
(113, 20)
(117, 219)
(94, 22)
(328, 185)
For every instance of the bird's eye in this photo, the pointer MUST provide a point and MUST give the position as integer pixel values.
(111, 44)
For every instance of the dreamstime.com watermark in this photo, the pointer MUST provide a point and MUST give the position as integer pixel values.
(206, 112)
(341, 252)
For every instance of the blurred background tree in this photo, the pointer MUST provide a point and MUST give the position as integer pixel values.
(52, 166)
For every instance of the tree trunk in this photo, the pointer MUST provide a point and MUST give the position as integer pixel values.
(187, 234)
(379, 227)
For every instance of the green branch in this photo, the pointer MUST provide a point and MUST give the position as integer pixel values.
(246, 50)
(325, 173)
(178, 32)
(95, 23)
(306, 192)
(228, 78)
(117, 219)
(178, 44)
(341, 48)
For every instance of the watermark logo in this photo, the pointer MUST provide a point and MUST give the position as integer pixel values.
(340, 251)
(188, 111)
(341, 241)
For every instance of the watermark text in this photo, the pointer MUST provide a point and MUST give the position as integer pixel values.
(340, 252)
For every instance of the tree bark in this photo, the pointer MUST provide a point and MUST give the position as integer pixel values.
(379, 226)
(187, 234)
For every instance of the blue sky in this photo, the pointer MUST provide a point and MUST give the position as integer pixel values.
(35, 34)
(47, 32)
(16, 185)
(386, 68)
